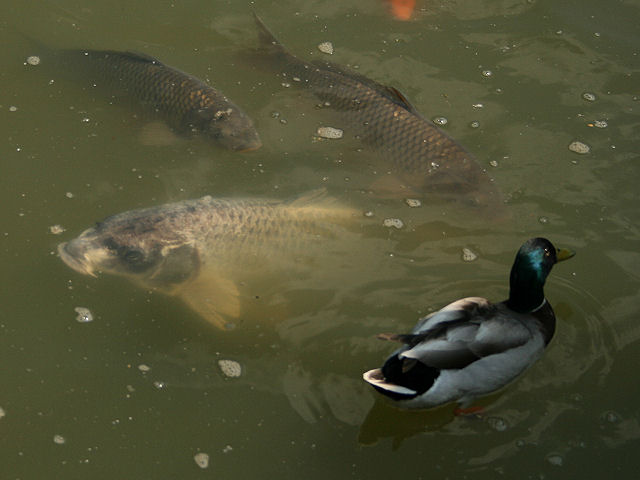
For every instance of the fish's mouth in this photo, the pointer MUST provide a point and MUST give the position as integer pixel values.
(73, 256)
(248, 146)
(252, 148)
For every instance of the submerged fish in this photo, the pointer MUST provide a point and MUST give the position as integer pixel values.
(210, 251)
(186, 103)
(419, 154)
(402, 9)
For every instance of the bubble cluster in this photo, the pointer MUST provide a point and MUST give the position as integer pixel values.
(555, 460)
(84, 315)
(201, 459)
(611, 417)
(230, 368)
(498, 424)
(579, 147)
(393, 222)
(468, 255)
(326, 47)
(329, 132)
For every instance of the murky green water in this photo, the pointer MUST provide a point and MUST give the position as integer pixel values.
(75, 402)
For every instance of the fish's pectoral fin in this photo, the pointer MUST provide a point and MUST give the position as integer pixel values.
(178, 265)
(390, 186)
(213, 297)
(157, 134)
(195, 120)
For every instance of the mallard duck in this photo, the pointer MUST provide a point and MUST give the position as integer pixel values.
(473, 347)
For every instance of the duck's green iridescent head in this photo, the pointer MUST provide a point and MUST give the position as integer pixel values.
(532, 265)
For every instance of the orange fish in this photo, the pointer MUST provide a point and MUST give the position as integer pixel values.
(402, 9)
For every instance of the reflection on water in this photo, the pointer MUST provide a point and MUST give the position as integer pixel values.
(317, 371)
(70, 159)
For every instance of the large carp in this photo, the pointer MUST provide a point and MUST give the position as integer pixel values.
(421, 157)
(213, 253)
(184, 102)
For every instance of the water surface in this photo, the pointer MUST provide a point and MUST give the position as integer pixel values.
(518, 69)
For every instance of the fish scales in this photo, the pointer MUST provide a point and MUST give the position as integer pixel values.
(239, 222)
(185, 102)
(420, 154)
(414, 145)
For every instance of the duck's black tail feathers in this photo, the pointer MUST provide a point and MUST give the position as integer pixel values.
(409, 373)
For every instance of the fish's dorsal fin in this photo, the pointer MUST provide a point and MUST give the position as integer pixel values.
(269, 42)
(137, 56)
(391, 93)
(347, 72)
(398, 97)
(267, 39)
(319, 202)
(214, 297)
(141, 57)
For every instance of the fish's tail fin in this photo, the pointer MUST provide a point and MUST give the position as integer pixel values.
(33, 44)
(36, 52)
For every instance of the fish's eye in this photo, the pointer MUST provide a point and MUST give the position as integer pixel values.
(133, 256)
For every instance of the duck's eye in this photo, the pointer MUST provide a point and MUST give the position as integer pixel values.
(547, 253)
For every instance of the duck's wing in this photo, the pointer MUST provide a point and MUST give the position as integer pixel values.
(462, 333)
(465, 309)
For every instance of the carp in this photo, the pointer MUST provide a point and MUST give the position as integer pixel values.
(213, 253)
